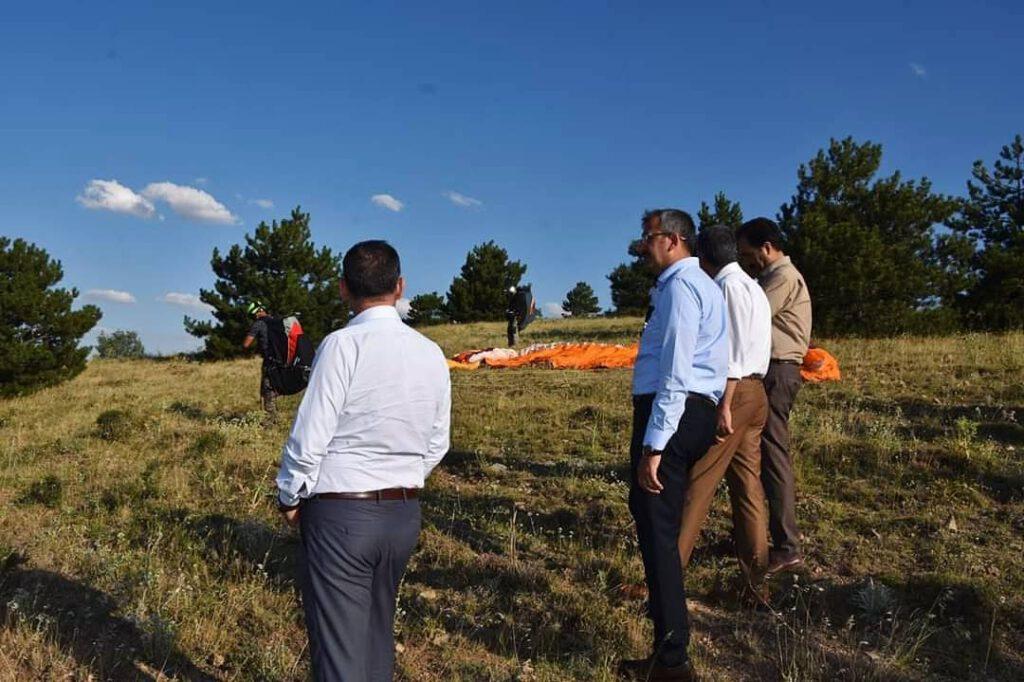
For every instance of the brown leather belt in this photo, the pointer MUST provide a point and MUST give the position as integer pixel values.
(377, 495)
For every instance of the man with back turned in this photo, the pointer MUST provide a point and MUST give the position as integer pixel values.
(373, 424)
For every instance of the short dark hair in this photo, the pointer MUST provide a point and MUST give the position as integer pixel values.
(672, 220)
(716, 244)
(371, 269)
(760, 231)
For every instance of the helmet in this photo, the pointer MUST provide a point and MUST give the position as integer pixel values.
(255, 307)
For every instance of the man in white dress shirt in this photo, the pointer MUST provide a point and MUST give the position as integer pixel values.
(373, 424)
(741, 414)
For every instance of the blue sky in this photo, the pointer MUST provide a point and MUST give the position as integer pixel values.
(555, 125)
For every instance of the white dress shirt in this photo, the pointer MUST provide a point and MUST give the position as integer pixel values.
(376, 413)
(750, 322)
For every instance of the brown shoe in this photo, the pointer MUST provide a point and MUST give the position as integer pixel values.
(783, 563)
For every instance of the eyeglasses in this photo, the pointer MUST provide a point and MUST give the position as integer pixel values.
(646, 237)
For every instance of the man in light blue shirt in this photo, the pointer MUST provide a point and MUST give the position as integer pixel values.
(679, 377)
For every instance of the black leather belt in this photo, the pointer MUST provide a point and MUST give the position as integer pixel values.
(702, 397)
(376, 495)
(787, 362)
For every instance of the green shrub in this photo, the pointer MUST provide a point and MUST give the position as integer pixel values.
(208, 443)
(47, 491)
(115, 425)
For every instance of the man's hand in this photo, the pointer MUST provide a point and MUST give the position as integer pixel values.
(724, 422)
(647, 472)
(291, 517)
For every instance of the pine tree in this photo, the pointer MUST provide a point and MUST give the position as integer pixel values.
(725, 212)
(631, 284)
(989, 229)
(427, 309)
(280, 267)
(119, 344)
(865, 246)
(581, 301)
(39, 332)
(480, 291)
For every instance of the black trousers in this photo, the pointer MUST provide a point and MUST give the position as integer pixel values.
(781, 383)
(658, 519)
(354, 555)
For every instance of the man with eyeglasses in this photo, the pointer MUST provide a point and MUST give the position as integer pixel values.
(678, 380)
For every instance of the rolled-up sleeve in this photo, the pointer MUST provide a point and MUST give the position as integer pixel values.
(315, 423)
(676, 362)
(440, 438)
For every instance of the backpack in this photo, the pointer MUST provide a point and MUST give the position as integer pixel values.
(288, 355)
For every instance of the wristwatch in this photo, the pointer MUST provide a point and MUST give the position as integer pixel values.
(649, 452)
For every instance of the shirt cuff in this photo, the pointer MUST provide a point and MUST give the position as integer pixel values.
(286, 502)
(657, 440)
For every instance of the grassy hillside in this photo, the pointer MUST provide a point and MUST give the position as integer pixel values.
(138, 537)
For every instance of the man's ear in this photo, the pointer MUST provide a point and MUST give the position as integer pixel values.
(400, 287)
(346, 295)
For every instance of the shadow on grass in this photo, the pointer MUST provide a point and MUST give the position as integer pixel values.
(239, 545)
(1002, 481)
(81, 620)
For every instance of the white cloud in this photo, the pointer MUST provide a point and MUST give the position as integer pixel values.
(387, 201)
(403, 305)
(461, 199)
(111, 195)
(111, 295)
(918, 70)
(553, 310)
(262, 203)
(189, 202)
(185, 301)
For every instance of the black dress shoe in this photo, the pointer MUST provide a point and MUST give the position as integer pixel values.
(665, 673)
(649, 669)
(635, 668)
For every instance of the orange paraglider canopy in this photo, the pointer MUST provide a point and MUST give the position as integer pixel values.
(820, 365)
(555, 355)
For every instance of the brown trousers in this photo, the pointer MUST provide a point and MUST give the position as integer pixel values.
(738, 459)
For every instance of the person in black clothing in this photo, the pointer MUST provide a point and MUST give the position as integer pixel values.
(522, 310)
(260, 335)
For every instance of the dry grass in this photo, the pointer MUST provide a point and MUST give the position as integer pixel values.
(146, 545)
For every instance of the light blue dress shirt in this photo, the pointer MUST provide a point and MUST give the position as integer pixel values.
(684, 347)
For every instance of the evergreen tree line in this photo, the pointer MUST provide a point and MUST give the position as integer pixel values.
(887, 255)
(881, 256)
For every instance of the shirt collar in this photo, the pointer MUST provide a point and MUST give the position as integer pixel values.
(727, 269)
(783, 260)
(377, 312)
(679, 265)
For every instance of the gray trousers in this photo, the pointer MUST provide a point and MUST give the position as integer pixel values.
(354, 556)
(781, 383)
